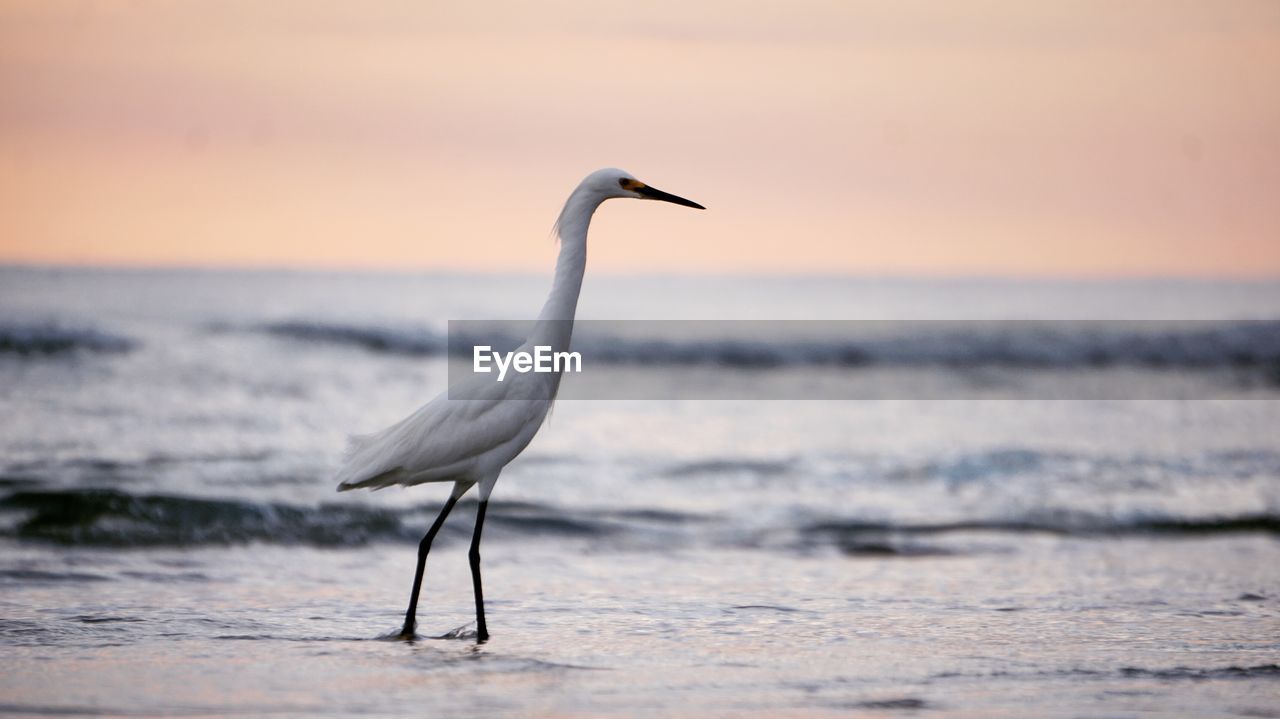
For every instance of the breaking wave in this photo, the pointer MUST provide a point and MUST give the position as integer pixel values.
(1026, 344)
(406, 341)
(37, 339)
(963, 344)
(893, 539)
(114, 518)
(109, 517)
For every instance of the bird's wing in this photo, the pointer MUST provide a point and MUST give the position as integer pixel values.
(444, 440)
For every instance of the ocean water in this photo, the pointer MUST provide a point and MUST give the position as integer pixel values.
(171, 542)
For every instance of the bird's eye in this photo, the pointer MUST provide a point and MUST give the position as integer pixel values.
(629, 184)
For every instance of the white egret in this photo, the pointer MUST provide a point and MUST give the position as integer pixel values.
(469, 441)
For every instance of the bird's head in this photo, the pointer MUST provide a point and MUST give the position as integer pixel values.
(611, 182)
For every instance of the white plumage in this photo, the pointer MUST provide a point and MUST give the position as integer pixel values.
(460, 440)
(469, 441)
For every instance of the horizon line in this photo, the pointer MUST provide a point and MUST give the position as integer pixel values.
(869, 274)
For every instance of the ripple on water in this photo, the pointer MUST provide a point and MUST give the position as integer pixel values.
(24, 575)
(1259, 671)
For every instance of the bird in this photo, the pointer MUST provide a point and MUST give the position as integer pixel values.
(470, 441)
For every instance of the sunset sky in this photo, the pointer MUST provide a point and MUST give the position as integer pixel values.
(1007, 138)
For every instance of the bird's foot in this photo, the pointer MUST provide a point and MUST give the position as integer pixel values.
(466, 632)
(407, 634)
(400, 635)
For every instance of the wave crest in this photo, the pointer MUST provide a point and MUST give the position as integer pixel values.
(406, 341)
(114, 518)
(43, 339)
(852, 344)
(110, 517)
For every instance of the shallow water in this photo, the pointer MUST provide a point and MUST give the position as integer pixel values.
(1067, 626)
(170, 542)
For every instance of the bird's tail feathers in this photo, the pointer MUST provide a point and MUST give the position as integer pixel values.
(363, 472)
(376, 482)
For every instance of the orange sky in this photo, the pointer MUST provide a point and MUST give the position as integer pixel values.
(1005, 138)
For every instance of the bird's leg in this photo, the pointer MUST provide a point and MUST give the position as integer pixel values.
(411, 616)
(482, 632)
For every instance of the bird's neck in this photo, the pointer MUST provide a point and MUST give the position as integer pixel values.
(555, 322)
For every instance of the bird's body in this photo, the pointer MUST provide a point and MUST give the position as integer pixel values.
(469, 441)
(451, 440)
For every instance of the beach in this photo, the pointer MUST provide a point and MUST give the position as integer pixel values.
(171, 542)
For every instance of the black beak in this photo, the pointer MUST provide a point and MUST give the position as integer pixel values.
(654, 194)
